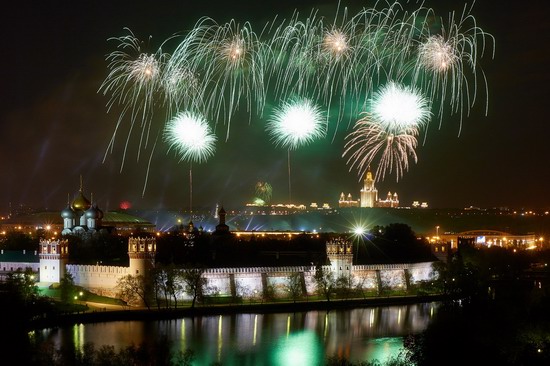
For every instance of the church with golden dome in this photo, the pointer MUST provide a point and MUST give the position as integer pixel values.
(81, 216)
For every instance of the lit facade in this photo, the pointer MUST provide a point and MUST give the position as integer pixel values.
(368, 196)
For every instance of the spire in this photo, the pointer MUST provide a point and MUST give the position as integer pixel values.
(80, 182)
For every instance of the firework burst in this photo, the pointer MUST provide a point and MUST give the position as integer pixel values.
(445, 65)
(437, 54)
(400, 108)
(371, 141)
(264, 191)
(296, 123)
(191, 137)
(341, 64)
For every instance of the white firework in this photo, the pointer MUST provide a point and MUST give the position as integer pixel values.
(372, 144)
(190, 135)
(438, 55)
(296, 123)
(400, 108)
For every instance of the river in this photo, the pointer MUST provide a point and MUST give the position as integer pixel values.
(305, 338)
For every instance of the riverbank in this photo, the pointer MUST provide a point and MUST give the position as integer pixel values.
(103, 315)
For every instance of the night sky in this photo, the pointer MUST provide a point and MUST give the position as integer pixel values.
(54, 124)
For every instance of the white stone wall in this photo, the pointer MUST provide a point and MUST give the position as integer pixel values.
(248, 285)
(392, 278)
(248, 281)
(365, 279)
(217, 284)
(421, 272)
(99, 279)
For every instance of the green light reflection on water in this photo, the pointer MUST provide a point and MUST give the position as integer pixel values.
(300, 348)
(383, 349)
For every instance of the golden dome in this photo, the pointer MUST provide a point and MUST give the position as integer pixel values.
(80, 203)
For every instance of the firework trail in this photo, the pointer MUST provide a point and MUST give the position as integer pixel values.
(371, 141)
(189, 134)
(231, 61)
(133, 83)
(294, 124)
(264, 191)
(446, 63)
(346, 66)
(389, 132)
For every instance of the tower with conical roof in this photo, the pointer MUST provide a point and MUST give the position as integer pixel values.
(222, 228)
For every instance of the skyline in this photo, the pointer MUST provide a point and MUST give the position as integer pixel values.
(55, 126)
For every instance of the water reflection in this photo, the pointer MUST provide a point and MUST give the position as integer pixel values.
(264, 339)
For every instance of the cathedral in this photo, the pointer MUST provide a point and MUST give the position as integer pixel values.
(368, 196)
(81, 217)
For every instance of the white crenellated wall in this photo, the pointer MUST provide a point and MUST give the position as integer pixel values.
(249, 282)
(99, 279)
(246, 282)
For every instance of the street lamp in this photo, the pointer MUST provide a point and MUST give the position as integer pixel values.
(437, 231)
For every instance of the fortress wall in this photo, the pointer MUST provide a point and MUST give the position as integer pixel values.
(421, 272)
(249, 282)
(365, 279)
(248, 285)
(393, 278)
(98, 279)
(217, 284)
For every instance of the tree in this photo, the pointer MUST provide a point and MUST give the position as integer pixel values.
(194, 283)
(294, 286)
(175, 283)
(324, 281)
(344, 285)
(133, 289)
(67, 288)
(158, 285)
(167, 281)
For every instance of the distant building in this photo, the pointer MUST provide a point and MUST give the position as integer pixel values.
(81, 217)
(390, 201)
(417, 204)
(369, 193)
(368, 196)
(347, 201)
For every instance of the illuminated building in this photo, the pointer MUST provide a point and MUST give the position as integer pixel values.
(369, 193)
(369, 196)
(490, 238)
(347, 201)
(390, 201)
(81, 217)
